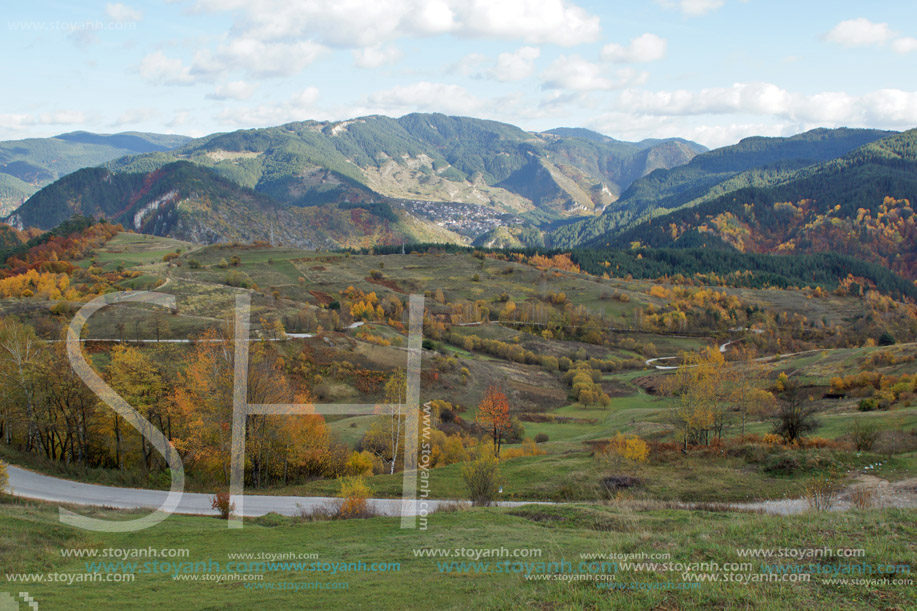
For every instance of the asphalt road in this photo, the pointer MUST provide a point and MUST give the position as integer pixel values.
(30, 484)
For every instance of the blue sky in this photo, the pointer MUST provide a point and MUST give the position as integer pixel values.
(710, 70)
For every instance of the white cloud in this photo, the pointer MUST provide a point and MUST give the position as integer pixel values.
(135, 116)
(574, 72)
(356, 23)
(425, 96)
(122, 13)
(12, 124)
(693, 7)
(470, 66)
(517, 65)
(887, 107)
(157, 68)
(375, 56)
(254, 58)
(644, 48)
(257, 59)
(233, 90)
(179, 119)
(860, 32)
(299, 107)
(60, 117)
(305, 98)
(905, 45)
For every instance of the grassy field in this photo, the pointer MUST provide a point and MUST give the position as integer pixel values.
(31, 540)
(644, 517)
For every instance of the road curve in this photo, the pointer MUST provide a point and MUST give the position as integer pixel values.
(32, 485)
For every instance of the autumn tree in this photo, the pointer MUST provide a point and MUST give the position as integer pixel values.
(747, 395)
(20, 353)
(69, 415)
(795, 416)
(203, 404)
(137, 379)
(385, 436)
(482, 476)
(702, 385)
(493, 415)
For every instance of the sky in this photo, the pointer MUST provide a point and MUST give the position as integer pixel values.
(713, 71)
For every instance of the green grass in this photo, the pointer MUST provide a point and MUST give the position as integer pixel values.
(31, 538)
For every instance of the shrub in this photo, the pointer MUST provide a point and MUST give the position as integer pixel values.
(360, 463)
(752, 453)
(863, 435)
(821, 494)
(629, 447)
(223, 264)
(238, 279)
(613, 483)
(541, 438)
(795, 416)
(482, 477)
(528, 448)
(887, 339)
(194, 264)
(862, 497)
(772, 439)
(354, 493)
(867, 405)
(222, 504)
(4, 478)
(782, 463)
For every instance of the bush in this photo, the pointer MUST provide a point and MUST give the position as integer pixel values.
(862, 497)
(238, 279)
(482, 477)
(4, 478)
(354, 493)
(795, 416)
(194, 264)
(222, 504)
(541, 438)
(613, 483)
(629, 447)
(821, 495)
(887, 339)
(360, 463)
(782, 464)
(863, 435)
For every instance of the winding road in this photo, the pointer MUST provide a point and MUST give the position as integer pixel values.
(32, 485)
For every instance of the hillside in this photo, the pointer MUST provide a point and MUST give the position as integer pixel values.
(428, 157)
(753, 162)
(189, 202)
(27, 165)
(859, 205)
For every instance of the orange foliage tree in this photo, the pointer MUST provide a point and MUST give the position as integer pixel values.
(493, 415)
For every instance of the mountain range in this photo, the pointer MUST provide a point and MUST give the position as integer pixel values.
(434, 178)
(30, 164)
